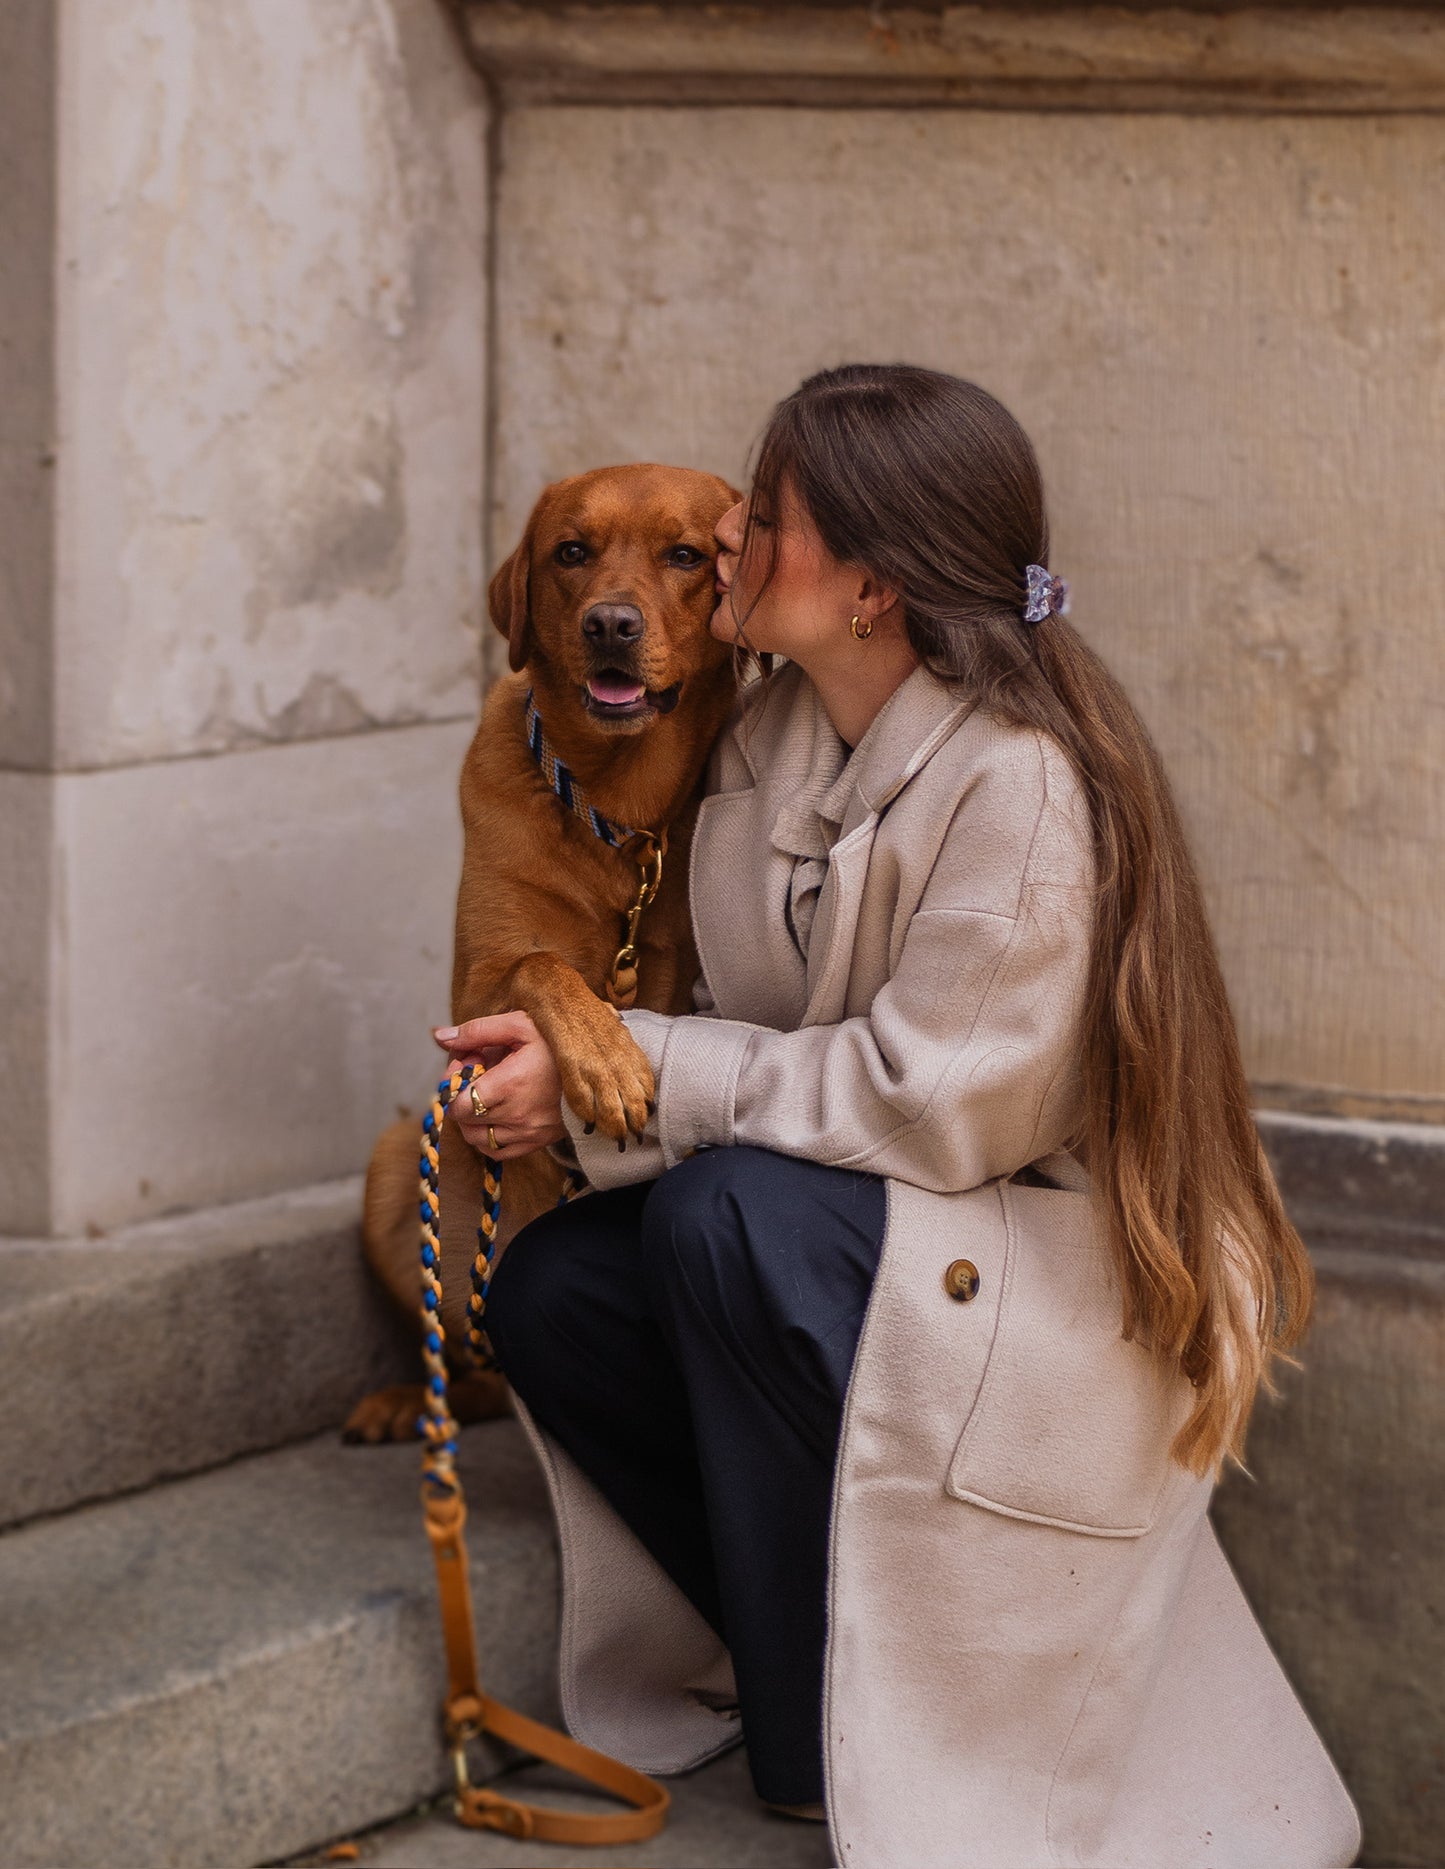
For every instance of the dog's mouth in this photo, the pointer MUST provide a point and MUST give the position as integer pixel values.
(613, 694)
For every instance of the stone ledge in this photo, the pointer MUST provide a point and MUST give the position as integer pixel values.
(1336, 1533)
(1337, 1530)
(1352, 1183)
(225, 1670)
(1055, 58)
(174, 1345)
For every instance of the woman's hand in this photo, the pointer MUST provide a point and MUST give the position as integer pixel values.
(521, 1091)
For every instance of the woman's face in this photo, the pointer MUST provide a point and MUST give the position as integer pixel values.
(805, 603)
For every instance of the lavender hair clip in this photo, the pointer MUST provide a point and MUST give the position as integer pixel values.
(1048, 596)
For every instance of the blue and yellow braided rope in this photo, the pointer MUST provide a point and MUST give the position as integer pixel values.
(437, 1426)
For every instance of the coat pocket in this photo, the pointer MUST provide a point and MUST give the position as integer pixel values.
(1072, 1425)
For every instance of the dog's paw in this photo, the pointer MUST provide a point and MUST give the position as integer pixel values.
(481, 1396)
(392, 1414)
(606, 1078)
(386, 1415)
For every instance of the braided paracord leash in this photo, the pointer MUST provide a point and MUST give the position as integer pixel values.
(467, 1711)
(438, 1427)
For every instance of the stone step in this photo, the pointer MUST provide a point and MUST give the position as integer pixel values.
(222, 1670)
(171, 1346)
(1366, 1184)
(715, 1822)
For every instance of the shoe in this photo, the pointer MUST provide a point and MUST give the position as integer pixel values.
(809, 1813)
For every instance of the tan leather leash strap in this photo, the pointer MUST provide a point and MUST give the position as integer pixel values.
(469, 1713)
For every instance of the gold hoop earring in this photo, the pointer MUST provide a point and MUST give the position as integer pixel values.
(861, 635)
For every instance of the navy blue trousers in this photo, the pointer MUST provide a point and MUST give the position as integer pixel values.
(689, 1341)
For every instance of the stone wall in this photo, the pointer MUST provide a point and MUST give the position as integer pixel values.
(245, 356)
(1216, 300)
(27, 430)
(249, 659)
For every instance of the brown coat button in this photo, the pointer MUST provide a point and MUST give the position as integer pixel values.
(961, 1280)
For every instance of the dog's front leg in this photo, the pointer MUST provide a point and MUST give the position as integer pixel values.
(606, 1078)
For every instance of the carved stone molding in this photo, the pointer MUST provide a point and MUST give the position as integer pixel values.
(1298, 57)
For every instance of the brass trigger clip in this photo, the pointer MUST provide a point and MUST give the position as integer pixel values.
(622, 974)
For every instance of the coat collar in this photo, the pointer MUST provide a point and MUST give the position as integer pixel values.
(908, 730)
(821, 783)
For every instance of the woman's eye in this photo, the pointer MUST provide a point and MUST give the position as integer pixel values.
(685, 557)
(571, 552)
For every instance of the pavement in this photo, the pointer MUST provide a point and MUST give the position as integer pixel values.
(715, 1823)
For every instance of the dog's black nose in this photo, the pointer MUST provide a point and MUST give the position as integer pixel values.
(612, 623)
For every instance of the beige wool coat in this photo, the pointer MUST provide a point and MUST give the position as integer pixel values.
(1037, 1654)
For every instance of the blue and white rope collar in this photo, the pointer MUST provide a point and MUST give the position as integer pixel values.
(559, 776)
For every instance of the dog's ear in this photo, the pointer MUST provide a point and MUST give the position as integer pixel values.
(509, 601)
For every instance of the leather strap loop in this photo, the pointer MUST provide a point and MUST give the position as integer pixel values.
(469, 1713)
(485, 1809)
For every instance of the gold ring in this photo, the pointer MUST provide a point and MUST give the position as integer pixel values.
(479, 1109)
(491, 1138)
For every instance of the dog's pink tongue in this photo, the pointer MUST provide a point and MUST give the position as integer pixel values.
(614, 689)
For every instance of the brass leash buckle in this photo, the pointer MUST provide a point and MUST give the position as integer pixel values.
(459, 1737)
(649, 862)
(477, 1805)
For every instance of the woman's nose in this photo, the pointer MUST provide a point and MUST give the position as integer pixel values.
(729, 529)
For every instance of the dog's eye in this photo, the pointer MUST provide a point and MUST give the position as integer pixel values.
(571, 552)
(685, 557)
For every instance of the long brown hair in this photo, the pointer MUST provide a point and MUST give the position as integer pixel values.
(928, 483)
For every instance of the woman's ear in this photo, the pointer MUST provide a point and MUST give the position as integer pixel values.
(874, 598)
(509, 601)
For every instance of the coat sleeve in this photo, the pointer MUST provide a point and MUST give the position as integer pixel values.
(964, 1067)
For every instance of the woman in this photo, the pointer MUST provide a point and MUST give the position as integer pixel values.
(880, 1388)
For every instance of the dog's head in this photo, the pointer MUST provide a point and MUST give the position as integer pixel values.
(610, 592)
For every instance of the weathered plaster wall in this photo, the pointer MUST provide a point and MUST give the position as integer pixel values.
(1227, 336)
(268, 224)
(27, 417)
(270, 338)
(27, 402)
(26, 999)
(268, 243)
(252, 948)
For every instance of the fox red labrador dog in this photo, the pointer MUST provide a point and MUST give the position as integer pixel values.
(605, 605)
